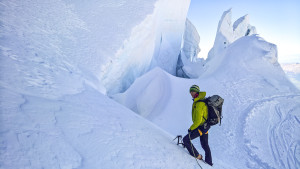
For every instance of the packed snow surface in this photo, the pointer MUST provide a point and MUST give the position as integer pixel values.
(260, 114)
(61, 61)
(85, 130)
(293, 72)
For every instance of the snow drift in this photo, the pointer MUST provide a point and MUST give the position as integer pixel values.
(86, 130)
(59, 58)
(53, 65)
(261, 108)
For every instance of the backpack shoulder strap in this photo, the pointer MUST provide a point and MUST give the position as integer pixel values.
(203, 100)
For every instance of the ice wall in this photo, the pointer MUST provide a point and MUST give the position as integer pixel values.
(191, 40)
(130, 37)
(105, 44)
(188, 65)
(155, 41)
(228, 32)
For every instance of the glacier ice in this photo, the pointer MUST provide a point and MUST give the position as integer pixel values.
(154, 42)
(228, 32)
(261, 105)
(191, 40)
(189, 65)
(101, 43)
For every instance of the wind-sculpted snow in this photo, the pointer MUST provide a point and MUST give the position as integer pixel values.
(106, 44)
(35, 45)
(260, 112)
(156, 81)
(87, 130)
(190, 67)
(155, 41)
(59, 58)
(53, 57)
(227, 33)
(241, 27)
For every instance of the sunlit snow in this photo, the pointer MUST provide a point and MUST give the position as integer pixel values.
(66, 67)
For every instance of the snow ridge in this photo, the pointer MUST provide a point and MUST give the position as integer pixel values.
(228, 33)
(259, 101)
(58, 59)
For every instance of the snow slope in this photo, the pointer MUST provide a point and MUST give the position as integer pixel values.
(53, 113)
(293, 72)
(85, 130)
(60, 58)
(261, 109)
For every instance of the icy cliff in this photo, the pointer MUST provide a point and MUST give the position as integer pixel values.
(228, 32)
(59, 57)
(101, 43)
(154, 41)
(191, 40)
(189, 65)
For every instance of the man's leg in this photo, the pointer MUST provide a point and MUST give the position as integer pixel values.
(188, 144)
(205, 146)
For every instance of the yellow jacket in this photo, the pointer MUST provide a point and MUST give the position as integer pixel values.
(199, 111)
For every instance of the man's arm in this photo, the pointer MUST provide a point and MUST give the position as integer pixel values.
(199, 120)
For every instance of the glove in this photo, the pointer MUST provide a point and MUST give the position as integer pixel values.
(189, 131)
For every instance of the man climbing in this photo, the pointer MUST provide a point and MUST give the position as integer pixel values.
(199, 126)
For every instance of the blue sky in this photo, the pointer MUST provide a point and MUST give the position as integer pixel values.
(276, 21)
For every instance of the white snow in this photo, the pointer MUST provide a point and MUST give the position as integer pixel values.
(62, 61)
(293, 73)
(261, 108)
(98, 39)
(156, 41)
(85, 130)
(228, 32)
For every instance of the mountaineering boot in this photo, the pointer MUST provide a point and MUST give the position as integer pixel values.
(200, 157)
(211, 164)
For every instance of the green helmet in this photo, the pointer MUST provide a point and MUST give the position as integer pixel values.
(195, 88)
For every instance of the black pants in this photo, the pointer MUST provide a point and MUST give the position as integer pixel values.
(204, 143)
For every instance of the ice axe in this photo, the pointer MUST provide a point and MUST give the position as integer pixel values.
(179, 140)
